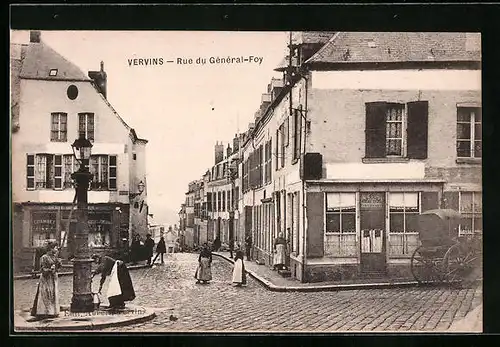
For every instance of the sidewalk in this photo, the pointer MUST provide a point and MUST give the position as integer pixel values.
(273, 281)
(99, 319)
(472, 322)
(67, 270)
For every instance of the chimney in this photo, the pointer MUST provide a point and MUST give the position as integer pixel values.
(236, 143)
(100, 78)
(228, 150)
(35, 36)
(219, 152)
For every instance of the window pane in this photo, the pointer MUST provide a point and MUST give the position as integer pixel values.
(466, 203)
(112, 160)
(112, 172)
(332, 200)
(348, 223)
(31, 182)
(478, 115)
(81, 122)
(58, 171)
(478, 149)
(58, 183)
(333, 222)
(57, 160)
(478, 224)
(463, 114)
(396, 222)
(463, 131)
(393, 147)
(466, 225)
(411, 223)
(396, 202)
(463, 148)
(31, 171)
(31, 159)
(478, 202)
(478, 134)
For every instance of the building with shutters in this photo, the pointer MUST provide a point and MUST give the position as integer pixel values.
(52, 101)
(368, 131)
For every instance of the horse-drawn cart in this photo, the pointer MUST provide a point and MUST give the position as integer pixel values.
(444, 256)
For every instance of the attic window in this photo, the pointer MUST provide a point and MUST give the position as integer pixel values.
(53, 72)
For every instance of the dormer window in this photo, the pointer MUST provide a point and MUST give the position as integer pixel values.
(53, 72)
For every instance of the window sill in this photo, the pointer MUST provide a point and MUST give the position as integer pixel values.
(385, 160)
(476, 161)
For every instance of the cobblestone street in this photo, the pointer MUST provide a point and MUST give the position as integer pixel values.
(219, 306)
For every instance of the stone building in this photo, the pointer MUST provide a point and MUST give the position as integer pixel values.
(52, 102)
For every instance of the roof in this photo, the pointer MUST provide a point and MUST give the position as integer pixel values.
(362, 47)
(41, 59)
(306, 37)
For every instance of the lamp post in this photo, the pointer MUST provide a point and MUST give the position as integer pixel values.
(82, 300)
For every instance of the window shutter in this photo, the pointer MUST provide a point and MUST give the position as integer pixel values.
(451, 200)
(375, 129)
(418, 114)
(429, 201)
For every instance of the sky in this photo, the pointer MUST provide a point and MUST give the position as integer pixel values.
(181, 109)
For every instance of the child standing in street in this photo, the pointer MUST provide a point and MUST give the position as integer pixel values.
(239, 274)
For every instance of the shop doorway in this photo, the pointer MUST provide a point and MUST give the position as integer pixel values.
(372, 213)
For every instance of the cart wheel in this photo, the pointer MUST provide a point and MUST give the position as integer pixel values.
(461, 265)
(424, 267)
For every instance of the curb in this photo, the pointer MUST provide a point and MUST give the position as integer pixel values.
(334, 287)
(36, 275)
(148, 315)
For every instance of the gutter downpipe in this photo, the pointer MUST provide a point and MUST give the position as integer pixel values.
(304, 206)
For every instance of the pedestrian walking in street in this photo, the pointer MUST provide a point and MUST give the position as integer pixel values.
(204, 270)
(46, 303)
(231, 247)
(120, 287)
(135, 248)
(161, 249)
(149, 244)
(248, 247)
(239, 273)
(216, 244)
(279, 252)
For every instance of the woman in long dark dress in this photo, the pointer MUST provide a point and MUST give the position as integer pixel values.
(46, 303)
(204, 270)
(161, 249)
(120, 287)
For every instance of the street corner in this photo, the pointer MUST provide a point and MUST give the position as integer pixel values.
(72, 321)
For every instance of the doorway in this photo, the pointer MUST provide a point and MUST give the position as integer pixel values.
(372, 213)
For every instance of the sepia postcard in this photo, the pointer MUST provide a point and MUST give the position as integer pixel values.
(257, 181)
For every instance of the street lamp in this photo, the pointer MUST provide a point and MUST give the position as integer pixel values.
(82, 300)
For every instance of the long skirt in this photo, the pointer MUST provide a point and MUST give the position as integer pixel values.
(280, 255)
(46, 301)
(120, 288)
(204, 271)
(239, 275)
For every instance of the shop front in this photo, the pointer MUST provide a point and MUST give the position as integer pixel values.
(367, 230)
(35, 225)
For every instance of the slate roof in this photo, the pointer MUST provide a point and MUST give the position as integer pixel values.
(361, 47)
(41, 58)
(305, 37)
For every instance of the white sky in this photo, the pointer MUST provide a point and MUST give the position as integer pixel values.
(171, 105)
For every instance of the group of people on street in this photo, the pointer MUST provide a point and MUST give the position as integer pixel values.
(46, 301)
(203, 272)
(120, 288)
(149, 245)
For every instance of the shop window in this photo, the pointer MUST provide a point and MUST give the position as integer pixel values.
(404, 209)
(340, 236)
(99, 229)
(469, 132)
(43, 228)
